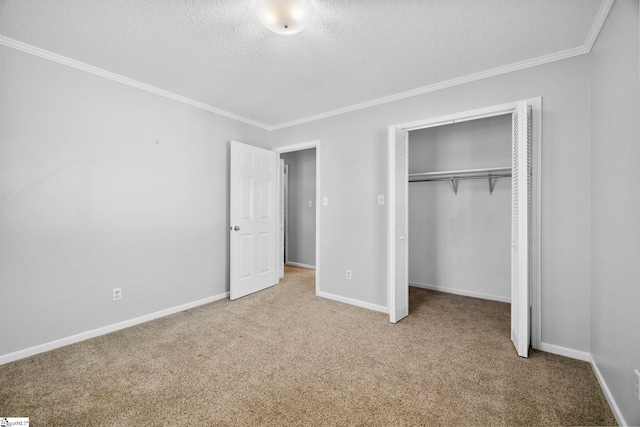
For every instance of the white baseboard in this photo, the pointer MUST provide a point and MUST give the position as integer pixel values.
(607, 393)
(31, 351)
(587, 357)
(355, 302)
(550, 348)
(297, 264)
(460, 292)
(564, 351)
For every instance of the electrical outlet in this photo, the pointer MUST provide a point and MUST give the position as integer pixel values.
(348, 275)
(637, 383)
(117, 294)
(310, 203)
(325, 201)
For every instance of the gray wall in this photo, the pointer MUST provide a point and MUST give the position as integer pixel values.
(354, 164)
(615, 205)
(302, 217)
(461, 243)
(90, 202)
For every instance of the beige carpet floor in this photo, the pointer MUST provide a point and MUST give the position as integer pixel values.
(286, 357)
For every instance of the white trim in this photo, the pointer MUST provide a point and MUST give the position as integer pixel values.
(588, 357)
(607, 393)
(352, 301)
(598, 22)
(460, 292)
(296, 147)
(304, 146)
(15, 44)
(31, 351)
(282, 184)
(566, 352)
(297, 264)
(569, 53)
(459, 117)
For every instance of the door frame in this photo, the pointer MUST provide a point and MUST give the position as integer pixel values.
(283, 191)
(286, 209)
(536, 147)
(289, 149)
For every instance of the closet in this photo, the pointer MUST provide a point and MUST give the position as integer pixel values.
(460, 208)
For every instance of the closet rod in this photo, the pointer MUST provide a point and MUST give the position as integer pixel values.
(454, 176)
(461, 174)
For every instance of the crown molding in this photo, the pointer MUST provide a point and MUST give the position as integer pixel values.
(598, 22)
(565, 54)
(601, 16)
(24, 47)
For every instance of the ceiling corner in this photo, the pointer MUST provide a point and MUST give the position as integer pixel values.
(598, 22)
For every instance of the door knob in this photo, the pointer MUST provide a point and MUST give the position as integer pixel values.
(236, 228)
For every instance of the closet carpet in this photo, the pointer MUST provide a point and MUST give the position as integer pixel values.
(286, 357)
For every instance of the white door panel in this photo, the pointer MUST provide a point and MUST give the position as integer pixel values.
(521, 230)
(398, 213)
(253, 219)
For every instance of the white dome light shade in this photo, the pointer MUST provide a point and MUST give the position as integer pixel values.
(285, 16)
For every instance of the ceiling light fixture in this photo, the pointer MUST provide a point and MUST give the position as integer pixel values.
(285, 16)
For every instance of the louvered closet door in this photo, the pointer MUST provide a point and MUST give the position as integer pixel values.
(399, 290)
(521, 230)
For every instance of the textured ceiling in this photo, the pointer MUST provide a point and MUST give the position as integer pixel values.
(216, 52)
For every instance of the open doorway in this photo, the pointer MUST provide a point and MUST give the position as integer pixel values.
(298, 207)
(460, 230)
(298, 201)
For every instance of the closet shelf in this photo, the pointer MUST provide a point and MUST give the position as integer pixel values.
(454, 176)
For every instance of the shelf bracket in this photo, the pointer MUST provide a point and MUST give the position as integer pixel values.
(454, 183)
(492, 184)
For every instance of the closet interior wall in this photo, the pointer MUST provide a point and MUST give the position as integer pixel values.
(461, 243)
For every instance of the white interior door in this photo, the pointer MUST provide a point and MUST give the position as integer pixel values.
(521, 230)
(398, 268)
(252, 219)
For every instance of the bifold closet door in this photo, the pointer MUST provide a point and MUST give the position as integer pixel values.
(521, 230)
(398, 215)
